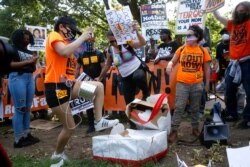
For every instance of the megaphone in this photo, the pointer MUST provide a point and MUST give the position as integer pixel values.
(216, 132)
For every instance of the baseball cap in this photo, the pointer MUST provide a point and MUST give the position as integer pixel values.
(67, 20)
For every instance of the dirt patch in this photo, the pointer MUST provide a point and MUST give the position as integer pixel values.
(80, 145)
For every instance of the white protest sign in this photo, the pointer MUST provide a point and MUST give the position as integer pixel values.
(120, 23)
(153, 20)
(238, 156)
(212, 5)
(39, 34)
(190, 12)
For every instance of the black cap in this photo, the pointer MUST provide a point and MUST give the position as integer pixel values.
(67, 20)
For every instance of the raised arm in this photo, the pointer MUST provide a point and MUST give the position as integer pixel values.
(67, 50)
(220, 18)
(141, 40)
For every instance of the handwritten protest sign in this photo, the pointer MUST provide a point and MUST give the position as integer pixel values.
(212, 5)
(120, 23)
(39, 34)
(153, 20)
(190, 12)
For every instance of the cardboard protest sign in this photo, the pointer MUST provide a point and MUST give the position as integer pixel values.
(153, 20)
(212, 5)
(120, 23)
(39, 34)
(190, 12)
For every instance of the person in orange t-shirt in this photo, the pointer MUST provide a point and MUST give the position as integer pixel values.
(194, 65)
(238, 70)
(60, 85)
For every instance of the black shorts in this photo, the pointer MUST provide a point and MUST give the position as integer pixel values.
(56, 94)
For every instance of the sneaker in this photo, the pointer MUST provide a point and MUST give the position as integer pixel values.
(244, 124)
(230, 118)
(22, 143)
(90, 129)
(221, 87)
(59, 156)
(104, 124)
(32, 138)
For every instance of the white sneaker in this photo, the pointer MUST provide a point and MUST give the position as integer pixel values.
(104, 124)
(59, 156)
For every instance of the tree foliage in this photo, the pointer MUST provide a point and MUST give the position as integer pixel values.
(18, 13)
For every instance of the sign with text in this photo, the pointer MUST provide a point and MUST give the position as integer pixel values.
(190, 12)
(39, 35)
(212, 5)
(153, 20)
(120, 23)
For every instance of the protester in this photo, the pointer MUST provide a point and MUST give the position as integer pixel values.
(151, 49)
(22, 87)
(92, 62)
(193, 67)
(132, 72)
(166, 49)
(60, 86)
(222, 53)
(238, 69)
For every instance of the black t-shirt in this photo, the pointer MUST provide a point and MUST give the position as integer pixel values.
(166, 49)
(91, 62)
(22, 55)
(222, 54)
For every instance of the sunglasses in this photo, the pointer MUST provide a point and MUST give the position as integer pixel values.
(189, 35)
(111, 42)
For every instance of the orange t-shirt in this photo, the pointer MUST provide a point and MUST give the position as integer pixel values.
(239, 40)
(56, 65)
(191, 61)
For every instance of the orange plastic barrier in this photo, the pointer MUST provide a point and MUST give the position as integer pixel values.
(113, 101)
(113, 89)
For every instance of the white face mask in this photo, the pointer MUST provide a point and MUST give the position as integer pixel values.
(191, 40)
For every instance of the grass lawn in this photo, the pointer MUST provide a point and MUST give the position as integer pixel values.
(25, 161)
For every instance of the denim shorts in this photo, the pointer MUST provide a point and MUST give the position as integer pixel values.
(56, 94)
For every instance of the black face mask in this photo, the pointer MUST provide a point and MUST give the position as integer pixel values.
(241, 17)
(70, 34)
(89, 47)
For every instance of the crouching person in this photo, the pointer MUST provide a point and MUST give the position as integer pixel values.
(60, 86)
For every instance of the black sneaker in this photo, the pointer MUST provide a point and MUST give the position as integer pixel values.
(32, 138)
(244, 124)
(22, 143)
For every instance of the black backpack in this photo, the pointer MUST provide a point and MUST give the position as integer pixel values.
(6, 54)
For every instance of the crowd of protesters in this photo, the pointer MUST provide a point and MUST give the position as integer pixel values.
(231, 65)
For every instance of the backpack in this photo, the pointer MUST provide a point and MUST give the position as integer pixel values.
(6, 54)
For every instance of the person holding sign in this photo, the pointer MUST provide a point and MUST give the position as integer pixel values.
(194, 66)
(130, 67)
(238, 69)
(60, 85)
(166, 49)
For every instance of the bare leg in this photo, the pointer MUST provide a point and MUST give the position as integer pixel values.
(64, 114)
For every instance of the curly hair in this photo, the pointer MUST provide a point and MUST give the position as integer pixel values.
(198, 32)
(18, 36)
(238, 19)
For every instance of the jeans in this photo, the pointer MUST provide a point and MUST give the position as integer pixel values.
(22, 89)
(231, 91)
(131, 82)
(185, 92)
